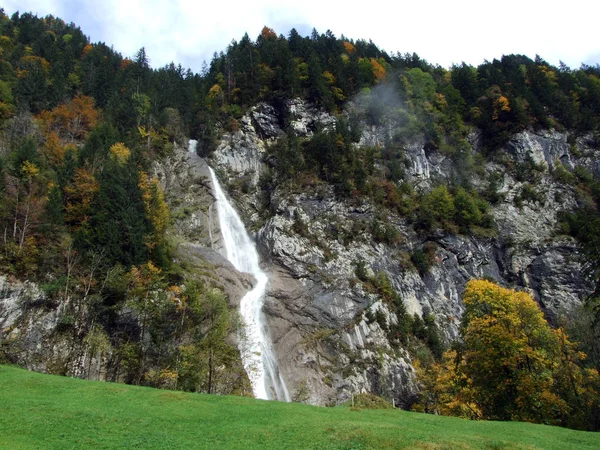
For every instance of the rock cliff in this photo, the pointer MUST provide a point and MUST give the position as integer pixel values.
(321, 315)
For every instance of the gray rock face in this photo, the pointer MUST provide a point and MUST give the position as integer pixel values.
(264, 120)
(546, 148)
(184, 178)
(12, 295)
(321, 316)
(241, 154)
(199, 258)
(305, 118)
(555, 278)
(30, 330)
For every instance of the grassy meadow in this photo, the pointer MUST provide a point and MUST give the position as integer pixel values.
(50, 412)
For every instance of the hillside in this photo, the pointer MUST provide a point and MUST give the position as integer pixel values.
(375, 186)
(57, 412)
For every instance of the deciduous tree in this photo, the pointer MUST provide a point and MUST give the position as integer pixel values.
(511, 366)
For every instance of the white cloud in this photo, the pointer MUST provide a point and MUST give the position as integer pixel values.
(188, 32)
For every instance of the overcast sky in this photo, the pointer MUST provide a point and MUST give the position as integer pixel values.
(443, 32)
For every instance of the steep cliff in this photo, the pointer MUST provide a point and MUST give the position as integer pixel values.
(333, 331)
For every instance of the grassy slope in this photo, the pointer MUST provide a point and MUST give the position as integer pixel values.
(43, 411)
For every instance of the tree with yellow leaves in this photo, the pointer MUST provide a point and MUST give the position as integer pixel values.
(511, 366)
(120, 153)
(157, 211)
(79, 195)
(144, 297)
(501, 104)
(510, 354)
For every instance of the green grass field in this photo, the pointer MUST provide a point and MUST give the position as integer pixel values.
(50, 412)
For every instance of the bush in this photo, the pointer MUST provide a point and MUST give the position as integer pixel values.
(562, 175)
(528, 194)
(384, 233)
(361, 271)
(491, 193)
(423, 259)
(54, 288)
(468, 211)
(438, 205)
(369, 401)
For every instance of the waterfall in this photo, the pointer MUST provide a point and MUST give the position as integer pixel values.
(192, 145)
(256, 347)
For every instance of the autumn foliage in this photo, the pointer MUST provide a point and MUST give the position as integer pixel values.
(378, 70)
(512, 366)
(120, 153)
(268, 33)
(71, 120)
(349, 48)
(156, 208)
(79, 195)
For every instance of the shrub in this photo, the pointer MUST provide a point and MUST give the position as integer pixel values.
(438, 205)
(384, 233)
(423, 259)
(528, 194)
(361, 271)
(369, 401)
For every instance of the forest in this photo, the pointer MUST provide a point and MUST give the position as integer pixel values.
(82, 215)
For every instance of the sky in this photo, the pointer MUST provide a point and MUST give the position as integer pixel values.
(442, 32)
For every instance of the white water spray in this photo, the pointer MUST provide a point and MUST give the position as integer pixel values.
(192, 145)
(257, 352)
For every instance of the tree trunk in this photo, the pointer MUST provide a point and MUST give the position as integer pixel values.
(210, 370)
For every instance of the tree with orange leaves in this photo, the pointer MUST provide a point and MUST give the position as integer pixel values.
(72, 120)
(268, 33)
(349, 48)
(379, 70)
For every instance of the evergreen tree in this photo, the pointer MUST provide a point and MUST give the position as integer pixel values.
(118, 225)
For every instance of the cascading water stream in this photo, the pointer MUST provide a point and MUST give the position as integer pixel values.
(255, 346)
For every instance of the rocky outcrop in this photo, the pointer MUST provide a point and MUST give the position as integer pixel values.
(306, 118)
(321, 316)
(241, 154)
(34, 332)
(185, 180)
(208, 265)
(546, 148)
